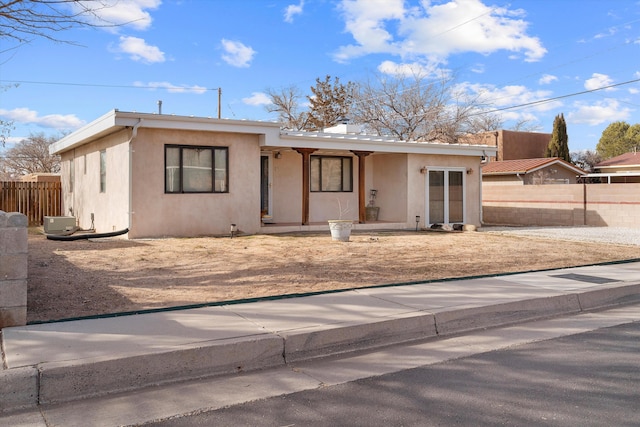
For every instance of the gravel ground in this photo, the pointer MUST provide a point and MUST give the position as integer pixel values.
(616, 235)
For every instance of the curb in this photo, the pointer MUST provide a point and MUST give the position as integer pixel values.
(57, 382)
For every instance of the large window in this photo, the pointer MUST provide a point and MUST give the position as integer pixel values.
(330, 173)
(190, 169)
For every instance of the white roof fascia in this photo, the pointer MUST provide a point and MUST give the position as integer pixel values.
(504, 173)
(116, 120)
(98, 127)
(614, 174)
(381, 145)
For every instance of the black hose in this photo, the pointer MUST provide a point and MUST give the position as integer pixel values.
(86, 236)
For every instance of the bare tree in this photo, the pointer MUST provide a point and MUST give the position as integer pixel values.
(328, 103)
(30, 155)
(286, 103)
(586, 159)
(413, 108)
(24, 20)
(21, 21)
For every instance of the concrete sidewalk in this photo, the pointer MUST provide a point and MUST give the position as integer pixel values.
(66, 361)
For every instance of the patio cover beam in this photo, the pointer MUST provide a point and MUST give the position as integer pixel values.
(306, 188)
(362, 211)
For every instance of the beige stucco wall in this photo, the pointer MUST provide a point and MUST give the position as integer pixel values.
(615, 205)
(287, 188)
(389, 177)
(111, 208)
(158, 214)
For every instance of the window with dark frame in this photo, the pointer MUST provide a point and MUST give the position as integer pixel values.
(194, 169)
(331, 174)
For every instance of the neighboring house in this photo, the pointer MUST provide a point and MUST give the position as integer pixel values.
(620, 169)
(162, 175)
(41, 177)
(549, 170)
(513, 145)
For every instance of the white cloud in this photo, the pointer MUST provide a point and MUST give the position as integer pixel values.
(434, 31)
(599, 112)
(139, 50)
(293, 10)
(406, 69)
(113, 14)
(52, 121)
(547, 79)
(236, 53)
(257, 98)
(170, 87)
(597, 81)
(510, 96)
(634, 91)
(478, 68)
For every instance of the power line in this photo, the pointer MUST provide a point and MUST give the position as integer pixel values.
(110, 86)
(544, 101)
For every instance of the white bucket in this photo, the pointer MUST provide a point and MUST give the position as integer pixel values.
(340, 229)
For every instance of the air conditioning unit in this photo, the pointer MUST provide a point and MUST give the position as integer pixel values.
(58, 224)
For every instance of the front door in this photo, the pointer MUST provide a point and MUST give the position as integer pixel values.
(265, 187)
(445, 196)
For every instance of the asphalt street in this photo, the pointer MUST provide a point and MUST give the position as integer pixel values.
(587, 379)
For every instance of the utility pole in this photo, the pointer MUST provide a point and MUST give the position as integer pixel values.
(219, 102)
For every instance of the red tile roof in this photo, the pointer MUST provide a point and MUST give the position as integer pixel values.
(524, 166)
(627, 159)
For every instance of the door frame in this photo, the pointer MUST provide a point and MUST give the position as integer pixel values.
(446, 171)
(269, 176)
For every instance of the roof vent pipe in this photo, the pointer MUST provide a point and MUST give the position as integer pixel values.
(160, 106)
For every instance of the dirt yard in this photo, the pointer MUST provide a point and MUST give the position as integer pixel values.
(82, 278)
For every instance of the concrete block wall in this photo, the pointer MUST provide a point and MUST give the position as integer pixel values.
(613, 205)
(534, 205)
(13, 269)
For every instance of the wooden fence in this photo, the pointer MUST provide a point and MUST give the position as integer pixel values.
(33, 199)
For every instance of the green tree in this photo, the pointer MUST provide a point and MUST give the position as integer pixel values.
(633, 136)
(614, 140)
(559, 144)
(329, 102)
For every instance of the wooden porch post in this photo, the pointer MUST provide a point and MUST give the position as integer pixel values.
(306, 188)
(362, 211)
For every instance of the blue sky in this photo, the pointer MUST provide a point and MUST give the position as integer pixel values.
(182, 51)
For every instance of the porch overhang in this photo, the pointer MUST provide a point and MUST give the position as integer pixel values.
(366, 143)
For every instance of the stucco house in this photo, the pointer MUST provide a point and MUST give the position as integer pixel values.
(512, 144)
(548, 170)
(624, 168)
(164, 175)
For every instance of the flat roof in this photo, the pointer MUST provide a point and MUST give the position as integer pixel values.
(270, 132)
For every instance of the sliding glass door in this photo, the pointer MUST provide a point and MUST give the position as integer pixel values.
(445, 196)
